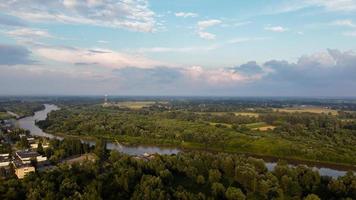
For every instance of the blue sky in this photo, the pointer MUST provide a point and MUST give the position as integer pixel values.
(178, 47)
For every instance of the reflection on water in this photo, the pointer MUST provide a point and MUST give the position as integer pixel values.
(28, 123)
(322, 171)
(140, 150)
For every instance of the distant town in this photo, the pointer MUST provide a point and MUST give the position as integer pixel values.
(20, 152)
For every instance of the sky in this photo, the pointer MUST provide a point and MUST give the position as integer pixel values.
(178, 47)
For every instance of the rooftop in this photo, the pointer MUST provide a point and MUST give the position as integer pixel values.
(27, 154)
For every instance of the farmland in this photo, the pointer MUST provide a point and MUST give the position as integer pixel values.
(300, 109)
(4, 115)
(135, 105)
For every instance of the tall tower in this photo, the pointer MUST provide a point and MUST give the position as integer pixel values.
(106, 99)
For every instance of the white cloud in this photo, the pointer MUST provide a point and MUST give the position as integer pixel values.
(278, 29)
(102, 41)
(246, 39)
(186, 14)
(178, 49)
(208, 23)
(319, 59)
(218, 76)
(202, 25)
(130, 14)
(327, 5)
(206, 35)
(98, 57)
(333, 5)
(28, 33)
(345, 22)
(70, 3)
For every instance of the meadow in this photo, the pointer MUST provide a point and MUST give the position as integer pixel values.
(301, 109)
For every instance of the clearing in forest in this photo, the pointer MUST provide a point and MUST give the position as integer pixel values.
(317, 110)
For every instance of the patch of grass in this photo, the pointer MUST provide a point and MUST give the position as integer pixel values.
(4, 115)
(265, 128)
(256, 125)
(260, 126)
(250, 114)
(223, 124)
(135, 105)
(212, 113)
(317, 110)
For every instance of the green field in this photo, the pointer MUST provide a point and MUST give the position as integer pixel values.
(4, 115)
(316, 110)
(135, 105)
(250, 114)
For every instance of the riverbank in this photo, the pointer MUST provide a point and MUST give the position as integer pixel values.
(187, 147)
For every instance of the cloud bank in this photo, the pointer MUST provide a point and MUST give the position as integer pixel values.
(328, 73)
(129, 14)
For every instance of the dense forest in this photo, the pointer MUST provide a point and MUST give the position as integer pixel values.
(20, 108)
(183, 176)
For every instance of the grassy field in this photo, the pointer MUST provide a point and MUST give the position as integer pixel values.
(224, 124)
(317, 110)
(265, 128)
(135, 105)
(251, 114)
(261, 126)
(4, 115)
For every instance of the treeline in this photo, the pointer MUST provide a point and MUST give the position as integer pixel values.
(184, 176)
(61, 149)
(259, 104)
(21, 108)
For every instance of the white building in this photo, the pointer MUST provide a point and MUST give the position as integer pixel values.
(27, 156)
(5, 160)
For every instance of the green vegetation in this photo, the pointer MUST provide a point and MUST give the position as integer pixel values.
(21, 108)
(305, 136)
(316, 110)
(4, 115)
(134, 104)
(182, 176)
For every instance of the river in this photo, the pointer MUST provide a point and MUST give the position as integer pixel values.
(28, 123)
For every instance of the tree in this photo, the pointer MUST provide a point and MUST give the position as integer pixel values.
(200, 180)
(233, 193)
(100, 149)
(40, 149)
(23, 143)
(312, 197)
(34, 162)
(214, 175)
(218, 190)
